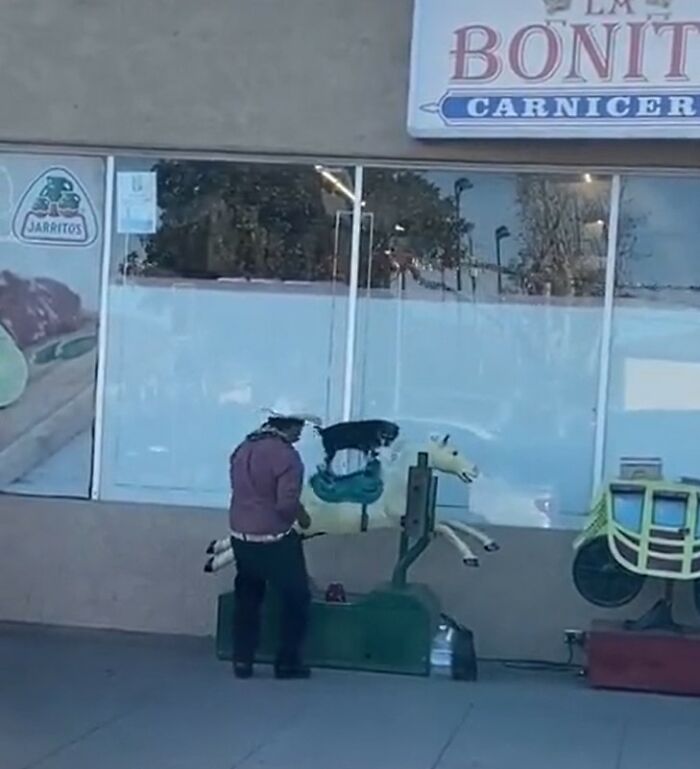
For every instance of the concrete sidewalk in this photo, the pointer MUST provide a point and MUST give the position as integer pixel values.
(82, 700)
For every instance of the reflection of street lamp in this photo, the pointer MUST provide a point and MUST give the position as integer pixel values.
(461, 186)
(501, 233)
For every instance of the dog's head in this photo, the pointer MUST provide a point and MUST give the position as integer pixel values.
(388, 432)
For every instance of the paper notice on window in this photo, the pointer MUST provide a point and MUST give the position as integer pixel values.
(137, 209)
(661, 385)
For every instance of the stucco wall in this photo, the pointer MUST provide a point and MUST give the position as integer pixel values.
(138, 568)
(326, 78)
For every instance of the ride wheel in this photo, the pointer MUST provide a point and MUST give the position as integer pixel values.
(600, 579)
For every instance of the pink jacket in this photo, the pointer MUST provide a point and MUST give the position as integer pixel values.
(266, 481)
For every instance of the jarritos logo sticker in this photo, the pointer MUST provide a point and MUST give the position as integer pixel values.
(56, 210)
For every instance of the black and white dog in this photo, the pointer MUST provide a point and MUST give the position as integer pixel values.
(366, 436)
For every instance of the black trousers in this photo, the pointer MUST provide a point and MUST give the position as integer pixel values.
(280, 565)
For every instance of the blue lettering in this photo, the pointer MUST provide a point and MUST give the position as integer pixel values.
(465, 107)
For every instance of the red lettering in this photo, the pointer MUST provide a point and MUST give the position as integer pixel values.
(623, 4)
(591, 11)
(602, 60)
(518, 47)
(680, 31)
(595, 10)
(635, 66)
(535, 52)
(479, 43)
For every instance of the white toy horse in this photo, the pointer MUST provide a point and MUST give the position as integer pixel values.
(388, 510)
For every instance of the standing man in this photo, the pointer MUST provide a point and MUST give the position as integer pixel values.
(266, 481)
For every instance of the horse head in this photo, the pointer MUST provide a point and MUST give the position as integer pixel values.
(445, 458)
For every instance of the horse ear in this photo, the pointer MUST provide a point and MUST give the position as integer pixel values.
(446, 439)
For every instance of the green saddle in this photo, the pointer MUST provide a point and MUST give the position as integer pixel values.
(363, 487)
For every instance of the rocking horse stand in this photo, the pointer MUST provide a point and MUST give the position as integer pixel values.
(388, 630)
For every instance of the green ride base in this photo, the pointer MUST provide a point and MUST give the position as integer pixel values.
(389, 630)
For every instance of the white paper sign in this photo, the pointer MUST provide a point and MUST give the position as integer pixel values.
(137, 208)
(555, 69)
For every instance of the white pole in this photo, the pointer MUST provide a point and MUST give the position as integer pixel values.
(399, 349)
(102, 328)
(352, 295)
(606, 337)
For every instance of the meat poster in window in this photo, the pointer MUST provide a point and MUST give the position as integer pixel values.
(50, 258)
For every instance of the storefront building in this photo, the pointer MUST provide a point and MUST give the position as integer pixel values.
(211, 209)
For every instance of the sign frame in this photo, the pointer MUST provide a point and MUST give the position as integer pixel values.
(467, 59)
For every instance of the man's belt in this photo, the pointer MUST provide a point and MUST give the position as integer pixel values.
(258, 537)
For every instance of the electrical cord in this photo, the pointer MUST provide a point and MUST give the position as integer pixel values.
(538, 666)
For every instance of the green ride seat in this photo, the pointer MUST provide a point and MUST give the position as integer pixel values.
(363, 487)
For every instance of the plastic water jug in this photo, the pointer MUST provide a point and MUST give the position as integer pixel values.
(441, 651)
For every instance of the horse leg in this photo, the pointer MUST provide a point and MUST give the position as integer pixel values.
(468, 557)
(217, 546)
(490, 545)
(219, 561)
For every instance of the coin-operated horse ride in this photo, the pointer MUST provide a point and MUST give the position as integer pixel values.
(391, 628)
(642, 527)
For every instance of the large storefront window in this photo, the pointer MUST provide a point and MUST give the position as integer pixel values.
(51, 212)
(481, 317)
(235, 304)
(479, 314)
(654, 392)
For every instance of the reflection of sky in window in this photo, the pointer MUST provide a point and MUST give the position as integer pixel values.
(666, 210)
(666, 249)
(491, 203)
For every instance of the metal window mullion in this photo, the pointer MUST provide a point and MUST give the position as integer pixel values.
(102, 329)
(606, 336)
(351, 331)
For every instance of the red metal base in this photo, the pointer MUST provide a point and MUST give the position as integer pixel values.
(649, 660)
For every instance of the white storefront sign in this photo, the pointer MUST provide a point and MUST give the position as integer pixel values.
(555, 69)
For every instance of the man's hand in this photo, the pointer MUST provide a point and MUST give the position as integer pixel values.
(304, 519)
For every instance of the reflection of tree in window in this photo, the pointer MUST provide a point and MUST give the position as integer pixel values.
(420, 232)
(241, 220)
(564, 235)
(416, 229)
(631, 250)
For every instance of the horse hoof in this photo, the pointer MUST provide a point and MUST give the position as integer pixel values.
(210, 549)
(471, 562)
(209, 566)
(492, 547)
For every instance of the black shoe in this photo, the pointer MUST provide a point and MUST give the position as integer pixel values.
(292, 672)
(243, 669)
